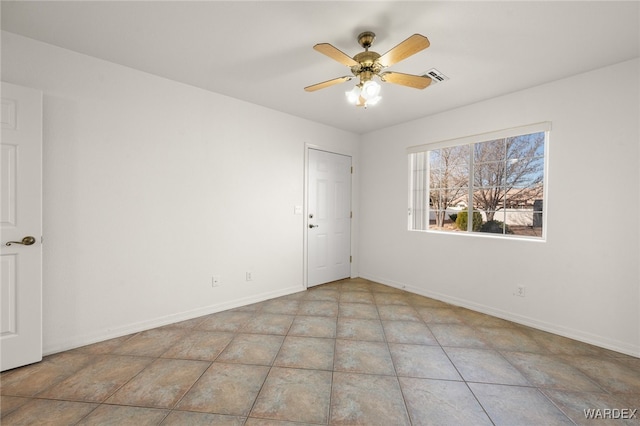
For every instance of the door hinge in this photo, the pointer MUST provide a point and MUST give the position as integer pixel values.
(350, 215)
(350, 259)
(351, 169)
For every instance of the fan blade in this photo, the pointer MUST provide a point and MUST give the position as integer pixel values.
(335, 54)
(409, 47)
(327, 83)
(415, 81)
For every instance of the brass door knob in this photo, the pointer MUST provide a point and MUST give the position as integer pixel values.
(27, 241)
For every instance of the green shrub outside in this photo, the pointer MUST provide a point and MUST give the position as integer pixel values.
(463, 217)
(453, 217)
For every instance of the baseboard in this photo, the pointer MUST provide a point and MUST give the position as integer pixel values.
(113, 333)
(582, 336)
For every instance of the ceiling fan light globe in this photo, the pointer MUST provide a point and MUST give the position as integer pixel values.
(353, 95)
(372, 102)
(370, 90)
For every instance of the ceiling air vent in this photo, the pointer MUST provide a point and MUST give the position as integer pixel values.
(436, 76)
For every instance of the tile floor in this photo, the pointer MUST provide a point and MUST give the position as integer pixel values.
(349, 352)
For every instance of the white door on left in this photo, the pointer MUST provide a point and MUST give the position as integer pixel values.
(20, 227)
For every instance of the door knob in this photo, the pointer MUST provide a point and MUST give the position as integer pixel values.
(27, 241)
(313, 226)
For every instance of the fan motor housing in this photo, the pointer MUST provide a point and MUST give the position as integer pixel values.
(367, 62)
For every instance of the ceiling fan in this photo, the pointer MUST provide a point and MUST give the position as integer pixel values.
(365, 65)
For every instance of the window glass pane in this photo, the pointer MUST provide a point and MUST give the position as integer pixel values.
(531, 145)
(448, 183)
(495, 225)
(489, 200)
(489, 151)
(520, 222)
(507, 187)
(419, 209)
(489, 174)
(489, 167)
(528, 171)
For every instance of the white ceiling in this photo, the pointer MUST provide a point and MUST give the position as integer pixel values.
(261, 51)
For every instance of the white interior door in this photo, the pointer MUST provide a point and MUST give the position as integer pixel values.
(329, 217)
(21, 227)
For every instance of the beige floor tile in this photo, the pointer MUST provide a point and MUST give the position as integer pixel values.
(362, 399)
(358, 310)
(99, 380)
(225, 389)
(429, 362)
(356, 297)
(281, 306)
(35, 378)
(396, 298)
(550, 371)
(440, 316)
(188, 324)
(629, 400)
(306, 352)
(161, 384)
(200, 345)
(510, 339)
(226, 321)
(574, 404)
(562, 345)
(360, 285)
(441, 402)
(341, 353)
(322, 308)
(614, 375)
(117, 415)
(49, 412)
(11, 403)
(313, 326)
(479, 319)
(398, 313)
(184, 418)
(295, 395)
(485, 366)
(418, 301)
(252, 349)
(264, 323)
(360, 329)
(363, 357)
(323, 294)
(412, 332)
(269, 422)
(457, 335)
(105, 347)
(515, 405)
(151, 343)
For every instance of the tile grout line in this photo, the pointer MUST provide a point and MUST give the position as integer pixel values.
(395, 369)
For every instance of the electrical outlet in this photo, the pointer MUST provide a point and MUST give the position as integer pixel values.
(521, 291)
(248, 276)
(216, 280)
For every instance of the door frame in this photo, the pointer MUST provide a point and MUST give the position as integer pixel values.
(305, 222)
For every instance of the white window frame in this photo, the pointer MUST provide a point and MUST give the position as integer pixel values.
(543, 127)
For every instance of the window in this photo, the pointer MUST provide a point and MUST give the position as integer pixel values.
(492, 183)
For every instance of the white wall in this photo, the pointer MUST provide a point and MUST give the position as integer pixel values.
(583, 282)
(151, 187)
